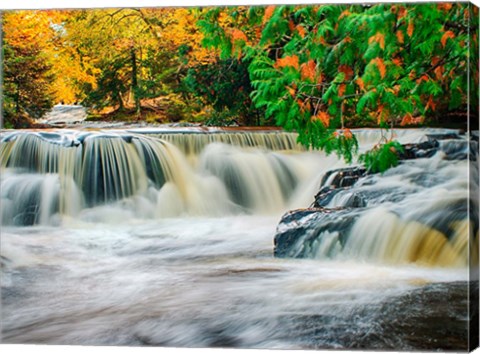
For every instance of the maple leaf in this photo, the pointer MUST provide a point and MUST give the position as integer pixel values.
(290, 60)
(378, 38)
(341, 90)
(308, 70)
(446, 36)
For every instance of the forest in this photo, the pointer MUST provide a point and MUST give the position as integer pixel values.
(318, 70)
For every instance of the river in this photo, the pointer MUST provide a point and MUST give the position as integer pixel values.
(165, 238)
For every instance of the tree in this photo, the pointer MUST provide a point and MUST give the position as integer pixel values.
(322, 69)
(27, 71)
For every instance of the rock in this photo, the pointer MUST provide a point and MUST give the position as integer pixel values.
(343, 177)
(419, 150)
(300, 230)
(327, 193)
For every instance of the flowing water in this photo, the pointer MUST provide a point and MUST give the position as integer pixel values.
(165, 237)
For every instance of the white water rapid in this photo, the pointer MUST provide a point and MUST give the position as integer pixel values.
(166, 237)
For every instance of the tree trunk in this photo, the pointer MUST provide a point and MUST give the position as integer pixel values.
(135, 82)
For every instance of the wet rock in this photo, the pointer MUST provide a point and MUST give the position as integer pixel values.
(343, 177)
(419, 150)
(443, 136)
(327, 193)
(300, 231)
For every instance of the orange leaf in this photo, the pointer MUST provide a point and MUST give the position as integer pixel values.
(446, 6)
(268, 13)
(347, 133)
(291, 91)
(424, 77)
(435, 60)
(400, 37)
(344, 14)
(397, 61)
(301, 31)
(238, 35)
(381, 66)
(402, 11)
(406, 120)
(348, 71)
(323, 117)
(378, 38)
(308, 70)
(430, 104)
(341, 90)
(291, 25)
(360, 83)
(410, 28)
(439, 71)
(446, 36)
(291, 60)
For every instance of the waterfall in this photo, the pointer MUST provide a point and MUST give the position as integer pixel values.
(160, 174)
(416, 212)
(424, 211)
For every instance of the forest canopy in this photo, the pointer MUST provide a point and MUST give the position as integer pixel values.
(319, 70)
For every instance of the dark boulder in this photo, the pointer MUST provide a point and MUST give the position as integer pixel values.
(300, 231)
(419, 150)
(343, 177)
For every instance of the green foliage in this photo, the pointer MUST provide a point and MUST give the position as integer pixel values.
(382, 157)
(225, 86)
(318, 69)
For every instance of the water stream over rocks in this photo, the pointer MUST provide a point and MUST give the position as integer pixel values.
(171, 237)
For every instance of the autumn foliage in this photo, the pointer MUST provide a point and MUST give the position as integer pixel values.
(318, 69)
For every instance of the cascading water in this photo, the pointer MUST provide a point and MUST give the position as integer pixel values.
(157, 237)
